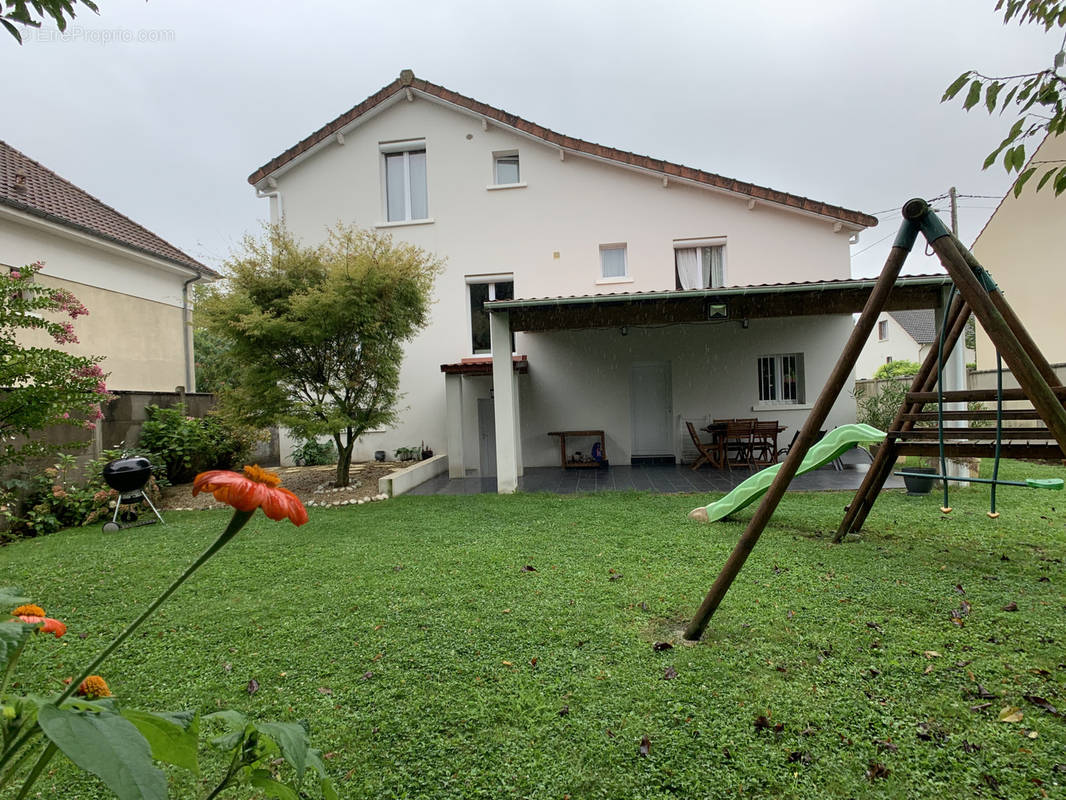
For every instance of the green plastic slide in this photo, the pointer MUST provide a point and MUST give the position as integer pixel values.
(833, 445)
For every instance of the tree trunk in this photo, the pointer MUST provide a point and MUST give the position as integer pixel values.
(344, 460)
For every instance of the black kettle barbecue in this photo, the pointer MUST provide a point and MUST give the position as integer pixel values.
(128, 477)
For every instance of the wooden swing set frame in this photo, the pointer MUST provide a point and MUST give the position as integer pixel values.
(976, 294)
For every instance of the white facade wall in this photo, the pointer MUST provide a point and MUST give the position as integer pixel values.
(547, 233)
(899, 346)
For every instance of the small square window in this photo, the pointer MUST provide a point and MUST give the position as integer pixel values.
(505, 169)
(613, 261)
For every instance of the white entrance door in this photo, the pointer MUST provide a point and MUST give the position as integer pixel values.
(486, 431)
(651, 406)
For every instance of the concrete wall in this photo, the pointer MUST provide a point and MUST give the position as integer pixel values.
(547, 234)
(1022, 247)
(135, 304)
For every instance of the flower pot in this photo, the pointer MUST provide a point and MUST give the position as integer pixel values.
(919, 484)
(379, 455)
(427, 454)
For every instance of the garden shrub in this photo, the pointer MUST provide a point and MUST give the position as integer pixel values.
(878, 406)
(313, 453)
(896, 369)
(189, 445)
(65, 496)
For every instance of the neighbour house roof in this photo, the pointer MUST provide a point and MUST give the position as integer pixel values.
(919, 324)
(757, 301)
(408, 83)
(30, 187)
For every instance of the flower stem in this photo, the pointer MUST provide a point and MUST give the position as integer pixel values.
(38, 768)
(235, 524)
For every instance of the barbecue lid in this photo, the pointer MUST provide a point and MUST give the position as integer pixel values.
(135, 464)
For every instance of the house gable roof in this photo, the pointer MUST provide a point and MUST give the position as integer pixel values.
(407, 82)
(919, 324)
(27, 185)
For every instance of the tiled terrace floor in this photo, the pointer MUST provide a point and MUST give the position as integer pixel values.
(664, 479)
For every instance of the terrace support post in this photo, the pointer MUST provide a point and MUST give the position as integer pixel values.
(885, 459)
(453, 394)
(504, 389)
(842, 372)
(974, 284)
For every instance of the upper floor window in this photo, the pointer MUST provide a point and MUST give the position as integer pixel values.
(882, 330)
(406, 197)
(700, 267)
(505, 168)
(482, 290)
(613, 263)
(780, 379)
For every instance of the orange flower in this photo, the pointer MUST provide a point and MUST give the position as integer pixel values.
(48, 625)
(32, 610)
(94, 687)
(256, 488)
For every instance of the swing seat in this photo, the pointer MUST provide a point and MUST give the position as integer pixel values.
(1054, 484)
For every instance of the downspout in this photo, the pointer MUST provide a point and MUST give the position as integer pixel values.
(186, 332)
(276, 211)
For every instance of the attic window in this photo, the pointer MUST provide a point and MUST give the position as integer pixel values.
(505, 168)
(406, 196)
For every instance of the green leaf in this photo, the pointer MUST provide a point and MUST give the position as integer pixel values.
(1060, 182)
(1025, 176)
(953, 90)
(292, 738)
(1019, 157)
(314, 761)
(1046, 177)
(991, 93)
(13, 635)
(10, 596)
(262, 780)
(172, 736)
(973, 97)
(108, 746)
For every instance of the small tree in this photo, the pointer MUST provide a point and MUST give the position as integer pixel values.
(316, 334)
(42, 386)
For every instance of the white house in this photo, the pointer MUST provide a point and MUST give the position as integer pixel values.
(900, 336)
(586, 288)
(134, 284)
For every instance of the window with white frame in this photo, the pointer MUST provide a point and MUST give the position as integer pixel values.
(700, 267)
(406, 197)
(505, 168)
(882, 330)
(483, 290)
(613, 262)
(780, 379)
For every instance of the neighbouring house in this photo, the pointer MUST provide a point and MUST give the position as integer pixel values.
(135, 285)
(900, 336)
(1022, 246)
(586, 288)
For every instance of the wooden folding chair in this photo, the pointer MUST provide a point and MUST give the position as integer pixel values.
(707, 450)
(739, 440)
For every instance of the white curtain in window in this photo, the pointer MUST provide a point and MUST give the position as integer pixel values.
(688, 269)
(419, 199)
(714, 268)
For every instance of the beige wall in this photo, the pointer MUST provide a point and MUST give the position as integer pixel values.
(140, 339)
(547, 234)
(1023, 246)
(135, 302)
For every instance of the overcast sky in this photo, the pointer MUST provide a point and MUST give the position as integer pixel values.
(837, 100)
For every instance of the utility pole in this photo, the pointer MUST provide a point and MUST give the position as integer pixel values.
(954, 199)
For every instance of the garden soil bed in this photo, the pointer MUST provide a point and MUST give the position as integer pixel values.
(313, 485)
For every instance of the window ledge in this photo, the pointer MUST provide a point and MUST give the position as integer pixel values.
(497, 186)
(782, 407)
(607, 281)
(404, 222)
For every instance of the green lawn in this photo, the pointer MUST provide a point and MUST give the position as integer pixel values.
(430, 665)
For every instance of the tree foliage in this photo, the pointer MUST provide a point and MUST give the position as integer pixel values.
(1037, 98)
(900, 368)
(41, 386)
(30, 13)
(316, 334)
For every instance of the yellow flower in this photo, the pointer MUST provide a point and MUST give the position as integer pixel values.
(28, 610)
(94, 687)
